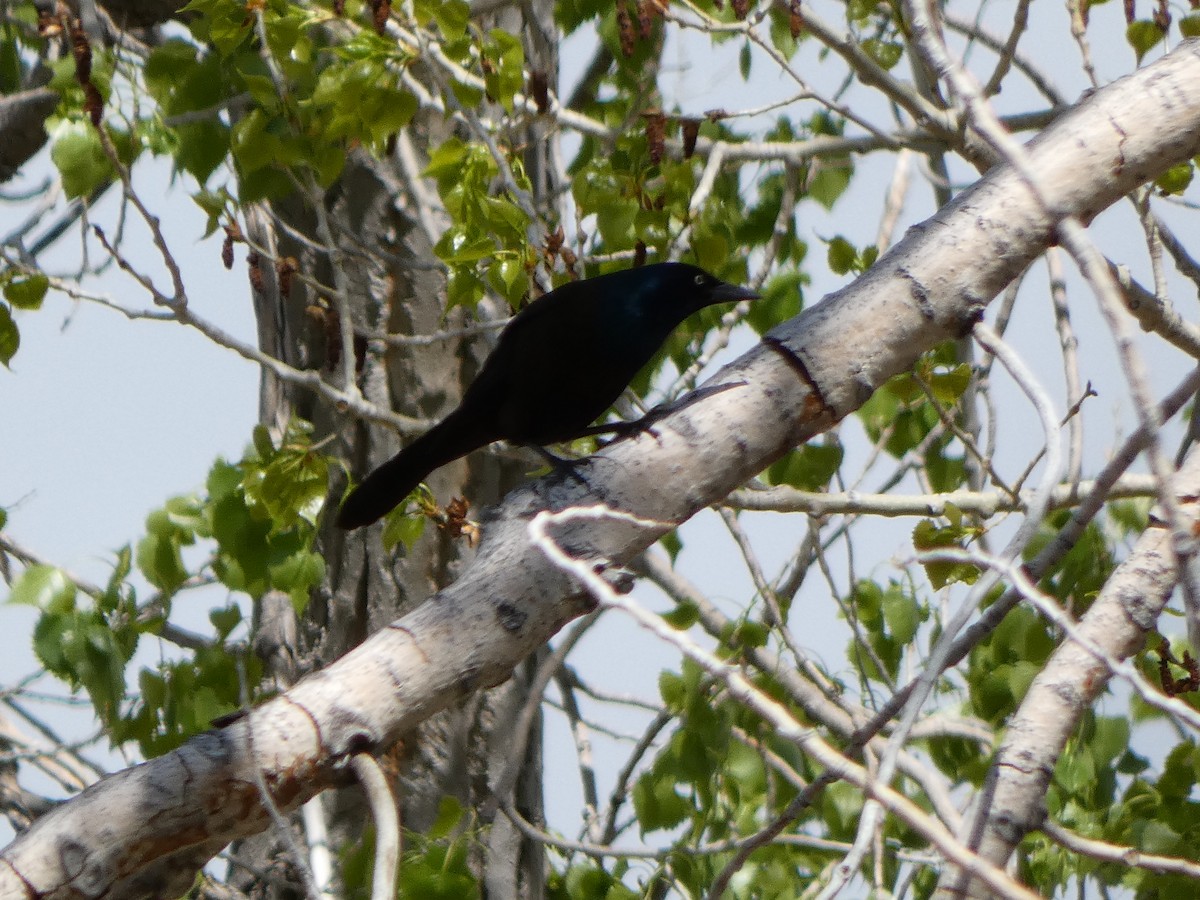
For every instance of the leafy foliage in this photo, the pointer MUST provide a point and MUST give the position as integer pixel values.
(258, 516)
(267, 101)
(22, 291)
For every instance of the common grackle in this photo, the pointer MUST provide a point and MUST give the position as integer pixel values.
(558, 365)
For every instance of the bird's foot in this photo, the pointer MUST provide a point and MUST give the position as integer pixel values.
(622, 430)
(568, 468)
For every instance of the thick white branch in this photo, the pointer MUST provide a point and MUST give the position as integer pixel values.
(1095, 649)
(806, 375)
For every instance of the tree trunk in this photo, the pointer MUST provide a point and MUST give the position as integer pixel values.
(384, 222)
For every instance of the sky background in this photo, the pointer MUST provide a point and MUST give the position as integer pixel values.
(102, 419)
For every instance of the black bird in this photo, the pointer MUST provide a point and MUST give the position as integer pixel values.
(558, 365)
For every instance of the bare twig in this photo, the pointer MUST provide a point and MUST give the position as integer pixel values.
(386, 817)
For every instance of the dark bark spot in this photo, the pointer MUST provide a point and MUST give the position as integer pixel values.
(511, 619)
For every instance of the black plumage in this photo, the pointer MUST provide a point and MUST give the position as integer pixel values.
(557, 366)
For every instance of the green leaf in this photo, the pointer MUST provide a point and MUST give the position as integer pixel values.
(948, 387)
(455, 248)
(118, 593)
(244, 550)
(1155, 837)
(712, 251)
(447, 160)
(1179, 772)
(614, 219)
(885, 53)
(1111, 739)
(1176, 179)
(224, 23)
(1132, 763)
(81, 648)
(158, 558)
(10, 337)
(464, 288)
(159, 553)
(440, 872)
(11, 76)
(298, 574)
(657, 804)
(587, 881)
(1142, 36)
(842, 809)
(26, 291)
(202, 147)
(1189, 25)
(859, 11)
(466, 94)
(511, 281)
(781, 31)
(693, 755)
(845, 257)
(506, 74)
(673, 689)
(682, 617)
(744, 60)
(1131, 516)
(402, 528)
(50, 645)
(927, 535)
(808, 468)
(452, 17)
(361, 101)
(255, 142)
(80, 159)
(504, 219)
(750, 634)
(292, 485)
(782, 297)
(163, 70)
(1076, 771)
(830, 180)
(264, 446)
(903, 614)
(215, 204)
(842, 255)
(224, 478)
(225, 620)
(672, 543)
(46, 588)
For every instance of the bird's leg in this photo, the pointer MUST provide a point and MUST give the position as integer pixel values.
(622, 430)
(562, 465)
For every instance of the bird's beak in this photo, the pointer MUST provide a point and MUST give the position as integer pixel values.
(727, 293)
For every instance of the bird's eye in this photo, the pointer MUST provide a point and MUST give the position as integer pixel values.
(700, 279)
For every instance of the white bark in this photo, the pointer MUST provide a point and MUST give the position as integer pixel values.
(1112, 630)
(931, 286)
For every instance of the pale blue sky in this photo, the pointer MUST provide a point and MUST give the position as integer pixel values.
(106, 418)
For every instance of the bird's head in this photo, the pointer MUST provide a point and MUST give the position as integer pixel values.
(701, 289)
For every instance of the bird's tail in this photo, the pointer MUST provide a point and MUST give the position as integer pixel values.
(388, 485)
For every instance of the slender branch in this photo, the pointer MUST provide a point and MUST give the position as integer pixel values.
(1115, 853)
(385, 815)
(981, 503)
(1123, 669)
(775, 714)
(583, 753)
